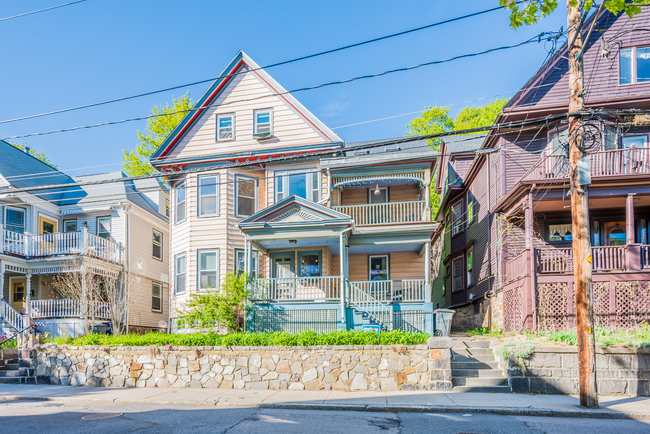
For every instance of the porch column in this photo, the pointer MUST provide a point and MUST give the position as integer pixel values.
(531, 306)
(249, 257)
(343, 266)
(2, 272)
(427, 272)
(28, 290)
(2, 238)
(629, 219)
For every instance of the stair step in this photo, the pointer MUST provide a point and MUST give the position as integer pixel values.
(483, 389)
(487, 373)
(473, 365)
(12, 366)
(469, 343)
(483, 358)
(473, 351)
(25, 380)
(10, 373)
(479, 381)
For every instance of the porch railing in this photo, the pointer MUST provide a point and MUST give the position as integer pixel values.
(516, 267)
(379, 311)
(12, 316)
(319, 288)
(384, 213)
(104, 249)
(603, 258)
(59, 243)
(65, 308)
(394, 290)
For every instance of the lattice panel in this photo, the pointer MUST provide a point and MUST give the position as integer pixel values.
(632, 303)
(294, 321)
(409, 321)
(552, 306)
(512, 310)
(601, 303)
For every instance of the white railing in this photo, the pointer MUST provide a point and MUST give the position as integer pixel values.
(379, 311)
(65, 308)
(394, 290)
(58, 243)
(13, 242)
(12, 316)
(104, 249)
(384, 213)
(296, 288)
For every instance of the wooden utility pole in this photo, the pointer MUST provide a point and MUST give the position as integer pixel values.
(580, 217)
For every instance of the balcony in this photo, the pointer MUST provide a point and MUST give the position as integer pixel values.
(60, 244)
(385, 213)
(65, 308)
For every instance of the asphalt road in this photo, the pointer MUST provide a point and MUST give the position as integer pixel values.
(52, 417)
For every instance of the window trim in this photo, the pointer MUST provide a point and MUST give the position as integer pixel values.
(469, 273)
(634, 78)
(176, 203)
(199, 196)
(371, 192)
(198, 269)
(255, 125)
(309, 190)
(23, 210)
(76, 225)
(154, 283)
(176, 258)
(387, 265)
(451, 213)
(251, 178)
(256, 255)
(110, 232)
(460, 258)
(219, 116)
(153, 243)
(168, 208)
(310, 252)
(622, 136)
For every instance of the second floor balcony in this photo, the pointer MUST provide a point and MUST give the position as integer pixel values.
(386, 213)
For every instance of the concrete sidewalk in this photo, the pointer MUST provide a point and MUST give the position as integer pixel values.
(612, 407)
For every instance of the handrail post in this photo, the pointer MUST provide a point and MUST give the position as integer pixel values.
(83, 242)
(2, 246)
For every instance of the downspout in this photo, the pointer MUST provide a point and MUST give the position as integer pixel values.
(342, 262)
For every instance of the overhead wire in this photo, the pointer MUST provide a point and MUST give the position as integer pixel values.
(41, 10)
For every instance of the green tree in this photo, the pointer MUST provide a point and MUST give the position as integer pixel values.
(163, 121)
(38, 155)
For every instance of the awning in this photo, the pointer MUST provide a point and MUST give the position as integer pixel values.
(86, 210)
(380, 180)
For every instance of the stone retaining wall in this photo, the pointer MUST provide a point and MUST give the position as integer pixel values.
(417, 367)
(619, 371)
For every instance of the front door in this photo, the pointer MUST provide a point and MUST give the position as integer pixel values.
(18, 293)
(283, 266)
(46, 226)
(378, 274)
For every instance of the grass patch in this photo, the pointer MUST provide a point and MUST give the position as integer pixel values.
(302, 339)
(484, 331)
(524, 352)
(606, 337)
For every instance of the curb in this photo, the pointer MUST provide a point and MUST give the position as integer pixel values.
(502, 411)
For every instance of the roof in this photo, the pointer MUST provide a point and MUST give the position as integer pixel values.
(377, 152)
(464, 143)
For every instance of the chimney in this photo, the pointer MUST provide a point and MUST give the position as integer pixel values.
(27, 149)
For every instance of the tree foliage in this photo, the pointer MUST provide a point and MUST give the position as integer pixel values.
(531, 11)
(163, 121)
(38, 155)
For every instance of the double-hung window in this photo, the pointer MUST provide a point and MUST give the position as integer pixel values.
(15, 219)
(226, 127)
(104, 227)
(209, 196)
(167, 208)
(69, 225)
(470, 207)
(179, 274)
(240, 261)
(157, 245)
(156, 297)
(457, 274)
(457, 217)
(470, 266)
(208, 269)
(180, 202)
(263, 123)
(305, 185)
(634, 65)
(246, 196)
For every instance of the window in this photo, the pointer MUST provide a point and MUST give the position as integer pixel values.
(305, 185)
(246, 200)
(378, 268)
(157, 244)
(209, 196)
(263, 126)
(559, 233)
(638, 141)
(470, 267)
(226, 127)
(104, 227)
(470, 207)
(208, 269)
(457, 217)
(156, 297)
(179, 274)
(310, 264)
(167, 208)
(69, 226)
(15, 219)
(634, 65)
(180, 202)
(457, 274)
(240, 261)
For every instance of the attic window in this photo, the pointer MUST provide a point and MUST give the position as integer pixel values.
(226, 127)
(392, 148)
(360, 152)
(263, 127)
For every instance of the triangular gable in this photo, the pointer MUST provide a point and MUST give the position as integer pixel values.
(240, 63)
(294, 210)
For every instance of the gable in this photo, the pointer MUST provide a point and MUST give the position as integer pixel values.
(295, 215)
(243, 89)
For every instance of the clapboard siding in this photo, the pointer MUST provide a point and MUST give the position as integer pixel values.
(402, 266)
(461, 165)
(521, 153)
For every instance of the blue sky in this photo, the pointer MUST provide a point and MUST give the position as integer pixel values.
(101, 49)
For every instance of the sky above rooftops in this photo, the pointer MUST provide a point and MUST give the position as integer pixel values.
(98, 50)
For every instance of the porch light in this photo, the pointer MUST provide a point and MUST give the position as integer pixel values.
(293, 242)
(377, 191)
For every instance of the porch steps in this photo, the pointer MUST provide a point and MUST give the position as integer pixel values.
(17, 370)
(474, 368)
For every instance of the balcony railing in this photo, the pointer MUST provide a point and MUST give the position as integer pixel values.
(385, 213)
(603, 258)
(617, 162)
(65, 308)
(394, 290)
(324, 288)
(60, 244)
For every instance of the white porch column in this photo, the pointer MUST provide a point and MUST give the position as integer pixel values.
(342, 253)
(83, 242)
(2, 238)
(2, 272)
(249, 245)
(629, 219)
(427, 273)
(28, 290)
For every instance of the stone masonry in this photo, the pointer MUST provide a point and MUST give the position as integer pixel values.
(346, 368)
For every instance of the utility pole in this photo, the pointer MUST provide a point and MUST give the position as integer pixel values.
(580, 216)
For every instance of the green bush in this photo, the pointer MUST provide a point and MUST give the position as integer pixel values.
(304, 338)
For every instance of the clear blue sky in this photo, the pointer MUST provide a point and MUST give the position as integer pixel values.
(103, 49)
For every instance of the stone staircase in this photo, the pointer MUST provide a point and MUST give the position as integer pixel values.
(16, 369)
(474, 367)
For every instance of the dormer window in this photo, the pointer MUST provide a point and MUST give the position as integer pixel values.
(226, 127)
(263, 127)
(634, 65)
(360, 152)
(392, 148)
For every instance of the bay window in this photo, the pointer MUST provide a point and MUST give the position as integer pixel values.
(208, 196)
(179, 274)
(208, 269)
(240, 261)
(180, 202)
(305, 185)
(245, 196)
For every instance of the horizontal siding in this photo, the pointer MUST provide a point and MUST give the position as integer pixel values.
(402, 266)
(461, 165)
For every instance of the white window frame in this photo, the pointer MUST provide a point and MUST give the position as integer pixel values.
(168, 208)
(309, 184)
(457, 229)
(177, 274)
(246, 178)
(200, 271)
(178, 204)
(469, 271)
(199, 195)
(23, 211)
(98, 227)
(160, 297)
(76, 225)
(370, 257)
(256, 125)
(256, 259)
(232, 127)
(153, 244)
(633, 69)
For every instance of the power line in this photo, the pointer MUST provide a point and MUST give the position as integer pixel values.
(536, 38)
(285, 62)
(41, 10)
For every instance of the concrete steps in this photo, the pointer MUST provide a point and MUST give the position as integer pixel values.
(474, 368)
(17, 370)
